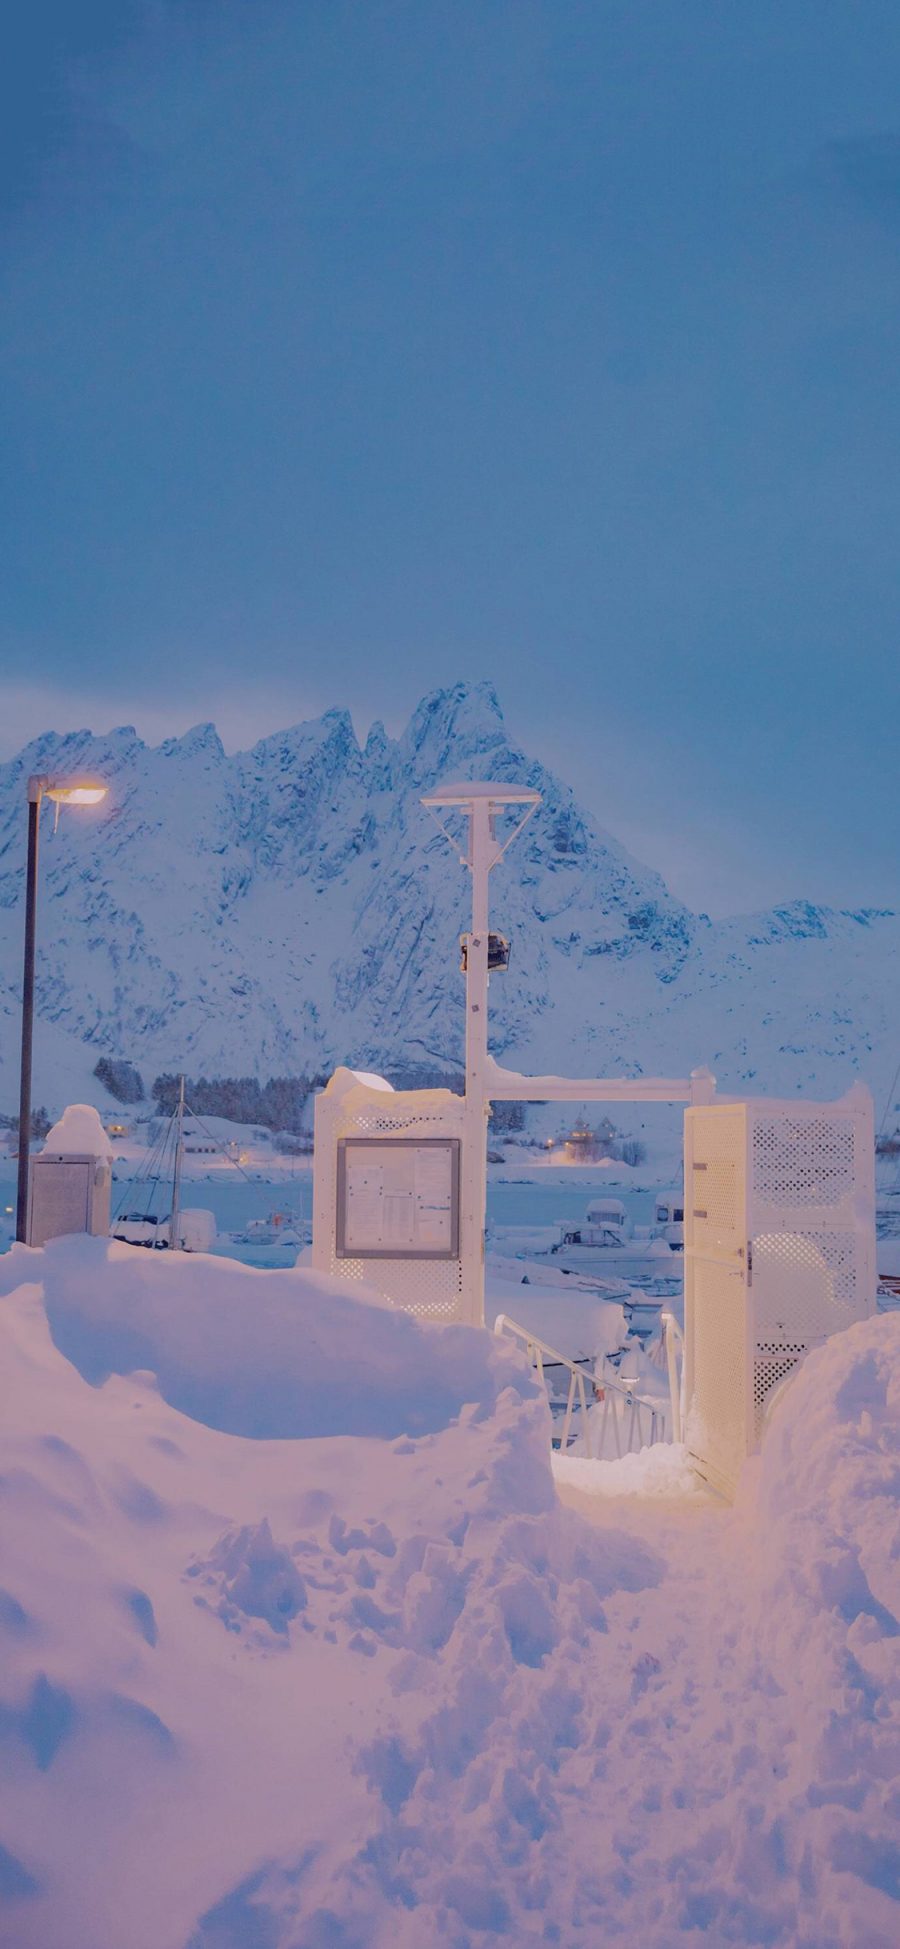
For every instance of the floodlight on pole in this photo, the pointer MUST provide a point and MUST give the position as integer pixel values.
(62, 791)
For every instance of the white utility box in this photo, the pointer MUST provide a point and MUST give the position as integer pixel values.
(70, 1182)
(386, 1192)
(67, 1194)
(779, 1238)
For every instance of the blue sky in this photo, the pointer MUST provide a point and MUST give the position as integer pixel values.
(349, 349)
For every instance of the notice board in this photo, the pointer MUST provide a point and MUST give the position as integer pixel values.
(398, 1198)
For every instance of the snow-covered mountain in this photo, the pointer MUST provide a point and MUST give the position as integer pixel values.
(286, 908)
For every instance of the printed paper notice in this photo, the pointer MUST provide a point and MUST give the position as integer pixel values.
(399, 1197)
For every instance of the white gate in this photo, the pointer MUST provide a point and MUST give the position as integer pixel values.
(779, 1253)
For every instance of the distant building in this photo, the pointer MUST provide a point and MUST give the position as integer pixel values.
(588, 1142)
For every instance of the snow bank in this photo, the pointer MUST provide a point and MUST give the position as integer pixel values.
(522, 1163)
(384, 1691)
(824, 1501)
(262, 1354)
(663, 1470)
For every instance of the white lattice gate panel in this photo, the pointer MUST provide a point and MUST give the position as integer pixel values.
(811, 1224)
(788, 1208)
(432, 1288)
(719, 1373)
(807, 1284)
(804, 1160)
(715, 1187)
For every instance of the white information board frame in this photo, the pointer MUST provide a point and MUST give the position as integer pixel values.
(420, 1169)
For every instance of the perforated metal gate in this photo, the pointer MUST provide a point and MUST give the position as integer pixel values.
(779, 1253)
(432, 1288)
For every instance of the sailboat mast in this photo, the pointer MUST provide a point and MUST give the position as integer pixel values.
(174, 1222)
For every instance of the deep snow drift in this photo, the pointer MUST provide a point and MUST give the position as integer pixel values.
(379, 1689)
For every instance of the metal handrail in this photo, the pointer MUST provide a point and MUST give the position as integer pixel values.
(631, 1418)
(673, 1339)
(538, 1351)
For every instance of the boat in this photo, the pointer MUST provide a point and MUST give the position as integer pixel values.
(142, 1228)
(195, 1230)
(603, 1249)
(604, 1241)
(178, 1229)
(669, 1213)
(279, 1228)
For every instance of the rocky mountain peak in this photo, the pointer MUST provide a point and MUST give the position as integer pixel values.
(292, 907)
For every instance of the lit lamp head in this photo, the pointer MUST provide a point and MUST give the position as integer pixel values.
(64, 791)
(76, 794)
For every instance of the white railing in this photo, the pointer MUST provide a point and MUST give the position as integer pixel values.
(541, 1356)
(673, 1342)
(622, 1420)
(634, 1421)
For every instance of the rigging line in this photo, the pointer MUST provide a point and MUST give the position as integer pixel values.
(220, 1146)
(151, 1169)
(157, 1157)
(134, 1190)
(890, 1096)
(132, 1184)
(154, 1157)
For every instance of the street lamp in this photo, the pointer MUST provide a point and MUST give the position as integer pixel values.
(74, 791)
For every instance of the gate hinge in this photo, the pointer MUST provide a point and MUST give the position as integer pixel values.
(749, 1260)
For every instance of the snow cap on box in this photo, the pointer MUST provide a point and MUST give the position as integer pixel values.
(79, 1133)
(343, 1079)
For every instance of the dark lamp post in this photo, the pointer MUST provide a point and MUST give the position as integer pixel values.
(75, 792)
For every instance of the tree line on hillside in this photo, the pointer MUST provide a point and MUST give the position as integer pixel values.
(40, 1124)
(277, 1104)
(120, 1078)
(280, 1103)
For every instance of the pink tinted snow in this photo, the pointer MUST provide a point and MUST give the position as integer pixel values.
(79, 1133)
(262, 1354)
(385, 1693)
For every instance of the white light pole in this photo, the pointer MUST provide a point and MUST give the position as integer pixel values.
(61, 792)
(479, 804)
